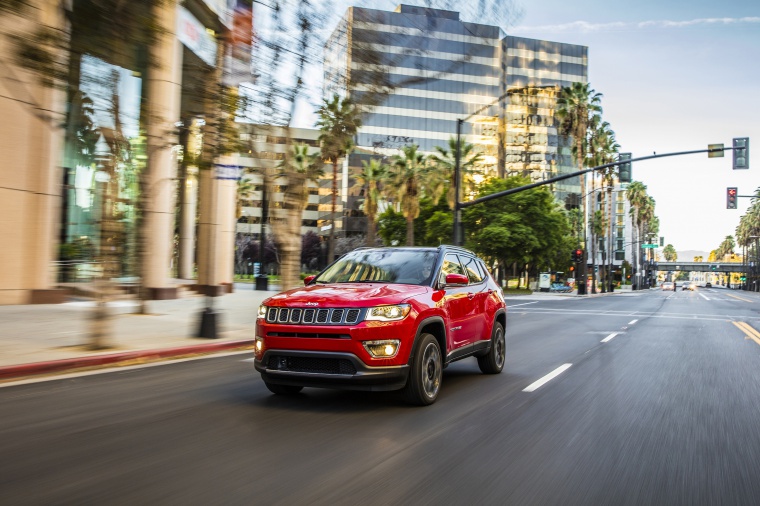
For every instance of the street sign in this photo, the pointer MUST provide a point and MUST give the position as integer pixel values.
(648, 245)
(715, 151)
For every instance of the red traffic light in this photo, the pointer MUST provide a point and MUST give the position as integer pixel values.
(731, 197)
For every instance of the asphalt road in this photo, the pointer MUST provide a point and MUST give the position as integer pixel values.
(660, 405)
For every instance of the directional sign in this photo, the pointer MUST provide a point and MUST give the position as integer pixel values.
(648, 245)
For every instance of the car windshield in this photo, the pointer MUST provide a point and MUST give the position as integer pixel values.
(409, 266)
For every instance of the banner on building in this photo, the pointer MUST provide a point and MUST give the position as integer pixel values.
(194, 36)
(238, 57)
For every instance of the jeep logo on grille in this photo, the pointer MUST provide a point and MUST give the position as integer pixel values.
(312, 303)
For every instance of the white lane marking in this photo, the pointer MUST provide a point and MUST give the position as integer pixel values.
(701, 295)
(632, 322)
(115, 368)
(556, 372)
(609, 337)
(524, 304)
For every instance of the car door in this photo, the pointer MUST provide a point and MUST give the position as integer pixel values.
(458, 306)
(478, 294)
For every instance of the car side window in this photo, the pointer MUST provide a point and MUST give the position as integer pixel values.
(483, 270)
(471, 266)
(450, 265)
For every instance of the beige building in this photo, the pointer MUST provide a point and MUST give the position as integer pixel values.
(76, 166)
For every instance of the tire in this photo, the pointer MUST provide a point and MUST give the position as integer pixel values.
(493, 361)
(282, 389)
(425, 374)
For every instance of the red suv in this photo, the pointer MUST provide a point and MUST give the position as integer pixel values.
(383, 319)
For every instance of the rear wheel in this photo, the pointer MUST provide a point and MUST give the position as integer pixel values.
(493, 361)
(426, 372)
(282, 389)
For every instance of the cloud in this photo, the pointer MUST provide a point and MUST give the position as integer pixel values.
(586, 27)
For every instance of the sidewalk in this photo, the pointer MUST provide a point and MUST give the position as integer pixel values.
(41, 339)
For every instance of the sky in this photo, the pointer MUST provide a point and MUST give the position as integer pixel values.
(675, 76)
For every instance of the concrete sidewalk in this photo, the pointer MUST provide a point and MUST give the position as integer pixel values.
(40, 339)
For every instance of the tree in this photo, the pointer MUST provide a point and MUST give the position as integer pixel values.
(339, 120)
(577, 106)
(670, 253)
(726, 247)
(372, 175)
(407, 173)
(392, 227)
(604, 149)
(637, 197)
(300, 169)
(527, 230)
(445, 161)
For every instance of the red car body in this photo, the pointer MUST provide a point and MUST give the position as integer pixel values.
(317, 335)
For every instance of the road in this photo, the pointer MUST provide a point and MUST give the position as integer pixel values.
(660, 405)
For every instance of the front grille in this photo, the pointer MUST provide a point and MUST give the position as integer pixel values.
(317, 365)
(312, 316)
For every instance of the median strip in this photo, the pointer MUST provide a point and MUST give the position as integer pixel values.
(556, 372)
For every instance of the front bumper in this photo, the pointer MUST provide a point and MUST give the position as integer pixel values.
(328, 370)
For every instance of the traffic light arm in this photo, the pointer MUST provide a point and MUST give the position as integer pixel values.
(463, 205)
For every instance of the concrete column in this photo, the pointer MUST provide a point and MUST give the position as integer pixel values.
(216, 234)
(187, 224)
(30, 170)
(164, 83)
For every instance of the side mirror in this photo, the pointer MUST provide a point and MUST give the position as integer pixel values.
(456, 280)
(308, 279)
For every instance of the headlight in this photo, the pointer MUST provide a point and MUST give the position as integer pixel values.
(262, 311)
(388, 313)
(382, 349)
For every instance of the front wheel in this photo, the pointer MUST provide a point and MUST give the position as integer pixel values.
(426, 372)
(493, 361)
(282, 389)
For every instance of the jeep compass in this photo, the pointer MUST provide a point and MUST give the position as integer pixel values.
(383, 319)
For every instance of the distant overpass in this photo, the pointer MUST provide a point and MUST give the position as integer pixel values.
(702, 266)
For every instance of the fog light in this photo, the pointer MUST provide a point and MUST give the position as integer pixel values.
(258, 347)
(382, 349)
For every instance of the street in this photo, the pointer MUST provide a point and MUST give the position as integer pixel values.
(634, 398)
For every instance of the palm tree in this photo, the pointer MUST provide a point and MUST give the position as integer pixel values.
(339, 120)
(407, 173)
(299, 169)
(604, 149)
(577, 105)
(368, 180)
(636, 195)
(670, 253)
(445, 160)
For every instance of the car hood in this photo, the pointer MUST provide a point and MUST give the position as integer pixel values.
(345, 295)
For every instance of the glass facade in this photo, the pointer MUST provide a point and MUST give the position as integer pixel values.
(430, 69)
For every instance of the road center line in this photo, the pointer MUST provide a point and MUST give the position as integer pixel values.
(738, 298)
(538, 384)
(702, 295)
(632, 322)
(748, 330)
(609, 337)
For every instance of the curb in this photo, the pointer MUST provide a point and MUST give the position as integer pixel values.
(116, 359)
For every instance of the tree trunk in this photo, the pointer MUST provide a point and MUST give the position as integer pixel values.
(370, 230)
(409, 230)
(331, 242)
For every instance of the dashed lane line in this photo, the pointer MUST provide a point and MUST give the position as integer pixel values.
(541, 382)
(609, 337)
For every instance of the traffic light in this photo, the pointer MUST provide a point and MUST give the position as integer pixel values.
(624, 169)
(731, 197)
(578, 256)
(741, 153)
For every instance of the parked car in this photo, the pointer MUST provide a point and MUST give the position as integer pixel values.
(708, 285)
(383, 319)
(667, 285)
(560, 287)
